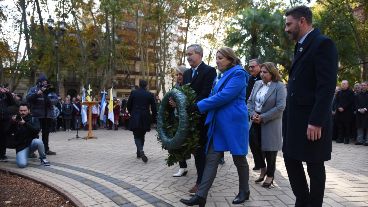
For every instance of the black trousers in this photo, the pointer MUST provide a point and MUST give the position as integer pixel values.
(262, 157)
(270, 157)
(45, 127)
(306, 197)
(255, 145)
(139, 138)
(4, 128)
(344, 131)
(183, 164)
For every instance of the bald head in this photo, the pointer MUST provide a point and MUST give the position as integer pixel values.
(344, 84)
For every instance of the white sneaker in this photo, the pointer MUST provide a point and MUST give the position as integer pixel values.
(45, 162)
(181, 172)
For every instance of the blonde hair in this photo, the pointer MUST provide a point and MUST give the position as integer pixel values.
(272, 69)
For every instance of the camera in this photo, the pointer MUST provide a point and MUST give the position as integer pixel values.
(18, 118)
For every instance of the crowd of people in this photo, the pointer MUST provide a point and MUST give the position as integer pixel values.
(349, 109)
(238, 109)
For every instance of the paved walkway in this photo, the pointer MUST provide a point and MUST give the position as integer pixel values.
(106, 172)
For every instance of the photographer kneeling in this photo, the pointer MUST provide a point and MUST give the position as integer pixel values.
(24, 131)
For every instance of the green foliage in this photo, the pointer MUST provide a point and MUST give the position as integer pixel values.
(259, 33)
(170, 126)
(337, 20)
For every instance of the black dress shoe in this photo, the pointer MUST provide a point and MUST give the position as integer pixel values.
(241, 197)
(256, 168)
(260, 179)
(267, 185)
(195, 200)
(144, 157)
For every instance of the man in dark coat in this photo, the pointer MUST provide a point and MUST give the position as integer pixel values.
(311, 85)
(344, 112)
(361, 109)
(42, 108)
(254, 144)
(24, 131)
(6, 101)
(139, 104)
(254, 71)
(200, 77)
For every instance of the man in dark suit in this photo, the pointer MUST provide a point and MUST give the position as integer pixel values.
(139, 104)
(254, 143)
(345, 100)
(311, 85)
(200, 77)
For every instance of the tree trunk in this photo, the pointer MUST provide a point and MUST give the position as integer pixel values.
(107, 49)
(364, 76)
(22, 5)
(182, 59)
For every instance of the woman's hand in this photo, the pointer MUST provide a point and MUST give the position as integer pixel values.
(256, 118)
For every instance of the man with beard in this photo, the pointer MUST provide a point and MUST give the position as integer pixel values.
(24, 131)
(311, 85)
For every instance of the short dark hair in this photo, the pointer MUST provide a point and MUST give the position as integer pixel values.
(24, 104)
(142, 83)
(300, 11)
(255, 60)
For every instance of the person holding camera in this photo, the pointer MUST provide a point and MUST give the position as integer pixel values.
(24, 131)
(41, 103)
(6, 102)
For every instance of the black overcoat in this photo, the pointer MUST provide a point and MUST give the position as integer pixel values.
(345, 100)
(139, 104)
(311, 86)
(361, 101)
(202, 84)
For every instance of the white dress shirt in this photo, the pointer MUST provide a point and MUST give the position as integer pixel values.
(260, 96)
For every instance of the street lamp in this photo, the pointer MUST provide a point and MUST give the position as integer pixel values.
(57, 32)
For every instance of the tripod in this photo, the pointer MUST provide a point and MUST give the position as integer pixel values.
(76, 136)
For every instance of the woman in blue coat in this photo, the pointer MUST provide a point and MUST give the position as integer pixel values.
(227, 122)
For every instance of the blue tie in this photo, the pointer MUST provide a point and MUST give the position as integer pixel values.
(193, 72)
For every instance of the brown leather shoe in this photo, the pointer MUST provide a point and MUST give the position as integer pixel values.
(194, 189)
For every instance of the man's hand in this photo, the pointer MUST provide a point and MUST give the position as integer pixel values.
(4, 90)
(39, 92)
(340, 109)
(314, 133)
(172, 102)
(21, 122)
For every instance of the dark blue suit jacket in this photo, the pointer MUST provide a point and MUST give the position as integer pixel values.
(311, 86)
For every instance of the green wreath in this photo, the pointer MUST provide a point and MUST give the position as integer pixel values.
(165, 121)
(178, 131)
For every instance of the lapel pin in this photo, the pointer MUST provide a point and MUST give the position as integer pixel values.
(301, 49)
